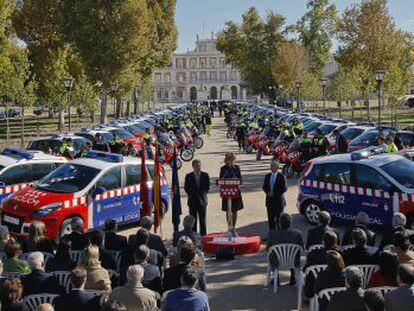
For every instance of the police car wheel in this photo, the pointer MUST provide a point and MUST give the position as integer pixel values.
(199, 142)
(312, 210)
(66, 227)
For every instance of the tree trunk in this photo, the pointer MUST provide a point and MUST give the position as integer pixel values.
(7, 124)
(136, 101)
(92, 116)
(128, 108)
(367, 104)
(104, 106)
(22, 130)
(61, 119)
(118, 108)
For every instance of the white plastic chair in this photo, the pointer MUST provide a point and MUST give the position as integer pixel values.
(46, 256)
(77, 256)
(116, 255)
(63, 278)
(286, 255)
(329, 292)
(13, 275)
(383, 289)
(367, 270)
(314, 270)
(315, 247)
(33, 301)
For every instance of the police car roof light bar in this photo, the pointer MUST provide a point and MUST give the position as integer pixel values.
(105, 156)
(18, 152)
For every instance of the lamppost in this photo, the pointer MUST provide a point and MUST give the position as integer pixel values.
(298, 86)
(114, 89)
(379, 76)
(68, 82)
(272, 92)
(323, 82)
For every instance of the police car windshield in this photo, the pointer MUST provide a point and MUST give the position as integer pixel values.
(121, 133)
(351, 133)
(68, 178)
(326, 129)
(402, 171)
(367, 138)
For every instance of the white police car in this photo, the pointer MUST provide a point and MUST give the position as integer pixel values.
(345, 184)
(20, 168)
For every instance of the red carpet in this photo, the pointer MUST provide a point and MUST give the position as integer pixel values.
(242, 244)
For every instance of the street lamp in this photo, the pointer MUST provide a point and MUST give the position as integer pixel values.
(379, 76)
(323, 82)
(68, 83)
(298, 86)
(114, 89)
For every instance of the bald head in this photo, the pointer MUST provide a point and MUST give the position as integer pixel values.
(45, 307)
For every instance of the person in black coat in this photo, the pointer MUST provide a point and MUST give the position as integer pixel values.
(197, 186)
(398, 223)
(341, 145)
(315, 235)
(231, 170)
(78, 240)
(113, 241)
(155, 242)
(107, 261)
(62, 260)
(274, 186)
(78, 299)
(11, 296)
(318, 256)
(361, 222)
(360, 254)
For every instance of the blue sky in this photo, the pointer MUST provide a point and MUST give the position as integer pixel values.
(191, 15)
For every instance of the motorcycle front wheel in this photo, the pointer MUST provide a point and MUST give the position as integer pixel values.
(186, 155)
(198, 142)
(288, 170)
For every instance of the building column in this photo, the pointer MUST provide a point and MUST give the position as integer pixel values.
(244, 94)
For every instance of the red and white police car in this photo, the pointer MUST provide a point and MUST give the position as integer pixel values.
(95, 188)
(366, 180)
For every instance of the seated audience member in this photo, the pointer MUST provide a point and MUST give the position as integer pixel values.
(4, 237)
(398, 225)
(315, 235)
(360, 254)
(78, 240)
(62, 260)
(172, 275)
(39, 281)
(361, 222)
(77, 299)
(185, 241)
(11, 296)
(188, 224)
(353, 297)
(107, 261)
(113, 241)
(284, 235)
(374, 300)
(97, 277)
(141, 238)
(401, 245)
(114, 305)
(133, 294)
(387, 273)
(186, 297)
(12, 263)
(155, 242)
(37, 241)
(331, 277)
(45, 307)
(152, 276)
(402, 298)
(318, 256)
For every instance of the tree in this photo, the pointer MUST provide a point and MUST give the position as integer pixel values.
(311, 89)
(316, 29)
(252, 47)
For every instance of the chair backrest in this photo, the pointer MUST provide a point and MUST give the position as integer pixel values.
(63, 278)
(286, 254)
(46, 256)
(315, 270)
(33, 301)
(329, 292)
(383, 289)
(77, 256)
(13, 275)
(101, 293)
(315, 247)
(367, 270)
(116, 255)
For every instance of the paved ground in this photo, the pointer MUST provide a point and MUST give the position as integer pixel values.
(239, 284)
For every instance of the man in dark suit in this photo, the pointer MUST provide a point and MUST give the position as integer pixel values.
(188, 223)
(39, 281)
(78, 298)
(315, 235)
(155, 242)
(341, 145)
(197, 185)
(398, 223)
(107, 260)
(78, 240)
(274, 186)
(402, 298)
(318, 256)
(113, 241)
(360, 254)
(361, 222)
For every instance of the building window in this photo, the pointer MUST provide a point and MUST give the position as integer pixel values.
(158, 77)
(222, 62)
(233, 75)
(203, 76)
(223, 76)
(180, 76)
(180, 63)
(168, 78)
(193, 76)
(193, 62)
(203, 48)
(159, 94)
(213, 76)
(166, 94)
(203, 62)
(213, 61)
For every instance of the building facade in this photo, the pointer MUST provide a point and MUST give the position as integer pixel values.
(198, 75)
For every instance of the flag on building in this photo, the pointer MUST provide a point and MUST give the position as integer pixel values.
(145, 205)
(175, 194)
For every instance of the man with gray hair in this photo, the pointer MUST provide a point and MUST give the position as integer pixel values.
(133, 295)
(188, 223)
(76, 237)
(353, 297)
(398, 223)
(361, 222)
(39, 281)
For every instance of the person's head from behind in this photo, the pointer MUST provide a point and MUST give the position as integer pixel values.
(12, 249)
(359, 237)
(362, 219)
(399, 220)
(146, 223)
(188, 222)
(142, 253)
(353, 277)
(405, 275)
(36, 261)
(36, 232)
(388, 263)
(196, 164)
(111, 225)
(78, 278)
(142, 236)
(45, 307)
(324, 218)
(330, 239)
(189, 278)
(91, 258)
(285, 221)
(380, 139)
(334, 261)
(229, 158)
(97, 238)
(77, 225)
(11, 292)
(401, 242)
(135, 274)
(374, 300)
(187, 254)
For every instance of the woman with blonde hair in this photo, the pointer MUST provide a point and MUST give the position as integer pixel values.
(97, 277)
(231, 170)
(36, 240)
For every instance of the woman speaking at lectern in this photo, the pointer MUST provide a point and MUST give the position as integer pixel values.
(231, 170)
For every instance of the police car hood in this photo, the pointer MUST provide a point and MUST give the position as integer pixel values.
(27, 200)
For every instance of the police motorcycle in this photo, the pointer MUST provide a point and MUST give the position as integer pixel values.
(167, 148)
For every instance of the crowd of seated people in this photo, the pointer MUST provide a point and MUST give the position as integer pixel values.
(103, 270)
